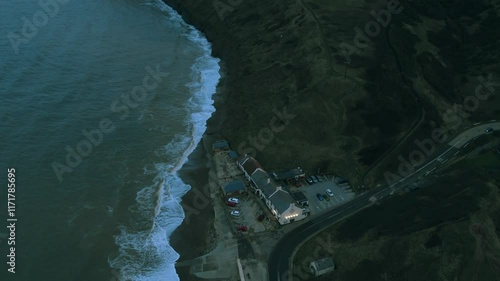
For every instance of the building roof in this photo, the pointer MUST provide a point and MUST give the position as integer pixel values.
(264, 182)
(233, 154)
(234, 186)
(242, 159)
(299, 196)
(281, 200)
(220, 144)
(324, 263)
(250, 165)
(288, 174)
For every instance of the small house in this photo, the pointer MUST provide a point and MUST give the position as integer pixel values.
(234, 188)
(220, 145)
(322, 266)
(233, 155)
(301, 198)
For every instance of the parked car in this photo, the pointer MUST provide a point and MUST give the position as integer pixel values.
(309, 181)
(319, 178)
(235, 213)
(261, 217)
(233, 200)
(231, 204)
(488, 130)
(242, 228)
(342, 180)
(314, 178)
(329, 192)
(320, 196)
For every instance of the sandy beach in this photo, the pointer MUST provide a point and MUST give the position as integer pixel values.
(196, 235)
(193, 238)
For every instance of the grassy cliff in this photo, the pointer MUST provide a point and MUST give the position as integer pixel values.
(316, 84)
(448, 230)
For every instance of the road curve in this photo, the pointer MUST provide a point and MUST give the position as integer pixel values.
(279, 260)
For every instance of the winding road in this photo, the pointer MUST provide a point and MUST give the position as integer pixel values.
(280, 259)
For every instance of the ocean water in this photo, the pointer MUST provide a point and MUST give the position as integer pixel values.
(102, 102)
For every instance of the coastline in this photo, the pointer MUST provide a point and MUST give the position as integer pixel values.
(196, 235)
(192, 238)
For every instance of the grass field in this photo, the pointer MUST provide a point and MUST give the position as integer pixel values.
(490, 160)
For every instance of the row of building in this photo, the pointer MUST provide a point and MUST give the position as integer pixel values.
(280, 202)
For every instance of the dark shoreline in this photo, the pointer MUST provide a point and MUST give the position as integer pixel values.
(190, 238)
(196, 235)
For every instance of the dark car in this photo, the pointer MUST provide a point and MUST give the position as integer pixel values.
(488, 131)
(261, 217)
(320, 196)
(342, 180)
(319, 178)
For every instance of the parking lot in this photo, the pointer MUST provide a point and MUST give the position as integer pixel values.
(341, 194)
(250, 210)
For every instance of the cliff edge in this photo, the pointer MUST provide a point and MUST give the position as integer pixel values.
(345, 87)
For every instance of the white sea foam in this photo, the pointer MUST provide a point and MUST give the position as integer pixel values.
(145, 254)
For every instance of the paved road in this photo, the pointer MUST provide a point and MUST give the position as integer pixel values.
(473, 132)
(279, 261)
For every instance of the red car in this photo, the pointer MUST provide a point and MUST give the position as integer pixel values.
(243, 228)
(231, 204)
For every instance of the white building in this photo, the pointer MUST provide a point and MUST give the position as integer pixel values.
(279, 201)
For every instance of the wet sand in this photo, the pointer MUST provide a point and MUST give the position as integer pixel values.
(192, 238)
(196, 235)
